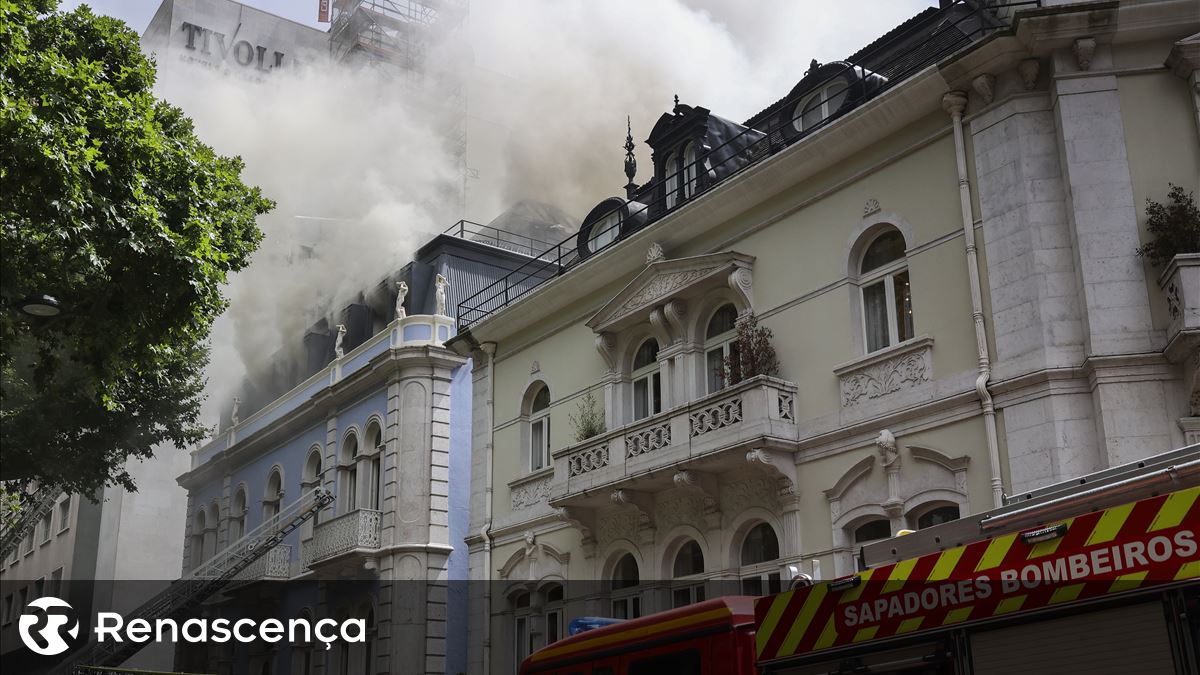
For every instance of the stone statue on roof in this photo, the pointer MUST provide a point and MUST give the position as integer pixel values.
(401, 293)
(338, 352)
(440, 295)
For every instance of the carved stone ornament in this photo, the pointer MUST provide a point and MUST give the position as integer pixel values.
(440, 283)
(663, 285)
(872, 206)
(887, 448)
(985, 86)
(606, 344)
(1028, 70)
(530, 494)
(742, 282)
(655, 253)
(757, 491)
(338, 352)
(401, 294)
(1084, 49)
(617, 525)
(881, 378)
(534, 367)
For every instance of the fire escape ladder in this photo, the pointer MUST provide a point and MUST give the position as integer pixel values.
(202, 582)
(35, 506)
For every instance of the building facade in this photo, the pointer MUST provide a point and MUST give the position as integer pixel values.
(941, 234)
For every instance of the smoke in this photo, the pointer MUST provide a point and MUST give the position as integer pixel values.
(360, 171)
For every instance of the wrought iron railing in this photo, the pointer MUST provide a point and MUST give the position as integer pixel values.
(494, 236)
(357, 530)
(951, 28)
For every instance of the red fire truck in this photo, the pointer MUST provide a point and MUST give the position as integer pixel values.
(1096, 575)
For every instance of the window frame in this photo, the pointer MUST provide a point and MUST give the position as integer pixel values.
(539, 419)
(671, 181)
(651, 374)
(767, 573)
(64, 514)
(885, 274)
(722, 341)
(690, 586)
(628, 596)
(822, 95)
(691, 175)
(604, 231)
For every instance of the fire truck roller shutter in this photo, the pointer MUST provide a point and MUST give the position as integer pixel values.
(1131, 639)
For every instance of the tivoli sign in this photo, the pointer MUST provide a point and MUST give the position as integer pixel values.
(241, 52)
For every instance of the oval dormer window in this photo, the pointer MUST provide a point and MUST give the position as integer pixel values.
(605, 231)
(819, 105)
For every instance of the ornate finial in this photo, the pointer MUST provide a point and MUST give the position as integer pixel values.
(676, 100)
(812, 66)
(630, 160)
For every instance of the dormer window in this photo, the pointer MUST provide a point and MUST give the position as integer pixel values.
(819, 105)
(671, 184)
(605, 231)
(689, 171)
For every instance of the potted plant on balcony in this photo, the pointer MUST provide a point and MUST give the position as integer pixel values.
(1176, 250)
(588, 420)
(752, 354)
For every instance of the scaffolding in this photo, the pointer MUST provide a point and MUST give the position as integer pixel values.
(417, 45)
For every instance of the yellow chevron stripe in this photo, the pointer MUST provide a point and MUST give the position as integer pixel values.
(946, 563)
(909, 625)
(854, 593)
(1175, 508)
(1109, 524)
(1066, 593)
(1189, 570)
(803, 619)
(865, 634)
(957, 615)
(1127, 582)
(1010, 604)
(1047, 547)
(828, 635)
(996, 550)
(900, 574)
(771, 619)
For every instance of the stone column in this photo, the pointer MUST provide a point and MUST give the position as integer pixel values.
(1130, 393)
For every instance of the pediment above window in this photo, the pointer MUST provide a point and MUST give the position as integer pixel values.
(683, 278)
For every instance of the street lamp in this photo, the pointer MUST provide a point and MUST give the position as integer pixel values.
(40, 306)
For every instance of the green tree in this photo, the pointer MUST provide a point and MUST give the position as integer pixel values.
(112, 205)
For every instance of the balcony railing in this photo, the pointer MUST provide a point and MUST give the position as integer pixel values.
(276, 565)
(752, 413)
(355, 531)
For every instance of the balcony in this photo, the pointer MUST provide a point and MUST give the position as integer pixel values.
(710, 434)
(276, 565)
(1180, 284)
(350, 533)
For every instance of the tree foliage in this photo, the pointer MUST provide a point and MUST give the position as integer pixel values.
(1175, 227)
(112, 205)
(752, 354)
(588, 419)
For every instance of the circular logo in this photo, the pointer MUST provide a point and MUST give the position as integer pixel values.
(46, 624)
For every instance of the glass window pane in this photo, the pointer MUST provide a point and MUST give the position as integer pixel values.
(876, 529)
(904, 318)
(647, 354)
(537, 441)
(681, 597)
(886, 248)
(943, 514)
(875, 316)
(656, 395)
(760, 545)
(641, 398)
(835, 95)
(752, 586)
(689, 171)
(724, 320)
(541, 400)
(671, 169)
(715, 364)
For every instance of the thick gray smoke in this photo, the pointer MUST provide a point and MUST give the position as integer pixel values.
(360, 174)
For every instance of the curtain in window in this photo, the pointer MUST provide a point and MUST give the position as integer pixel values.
(875, 309)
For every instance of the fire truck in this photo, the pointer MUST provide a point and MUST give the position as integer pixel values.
(1100, 574)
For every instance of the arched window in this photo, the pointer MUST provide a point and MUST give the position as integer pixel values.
(605, 231)
(539, 430)
(689, 561)
(348, 463)
(237, 516)
(198, 528)
(690, 174)
(671, 184)
(626, 604)
(868, 533)
(886, 292)
(312, 480)
(937, 516)
(819, 105)
(647, 382)
(272, 496)
(719, 344)
(552, 602)
(760, 551)
(212, 522)
(522, 633)
(375, 447)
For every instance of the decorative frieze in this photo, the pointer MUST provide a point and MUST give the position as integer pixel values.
(530, 493)
(903, 367)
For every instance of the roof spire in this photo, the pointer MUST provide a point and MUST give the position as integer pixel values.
(630, 160)
(676, 100)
